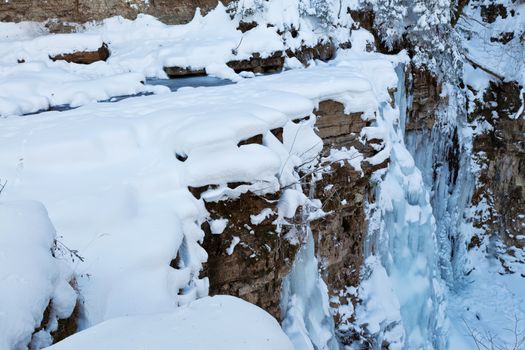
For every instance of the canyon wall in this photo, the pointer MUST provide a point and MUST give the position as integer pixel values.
(255, 269)
(58, 13)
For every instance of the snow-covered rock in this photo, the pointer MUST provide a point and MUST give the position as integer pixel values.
(30, 277)
(220, 322)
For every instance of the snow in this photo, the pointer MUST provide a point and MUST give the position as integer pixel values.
(304, 303)
(381, 306)
(352, 156)
(140, 48)
(235, 240)
(205, 42)
(218, 226)
(109, 175)
(32, 87)
(220, 322)
(488, 303)
(116, 192)
(402, 292)
(263, 215)
(31, 277)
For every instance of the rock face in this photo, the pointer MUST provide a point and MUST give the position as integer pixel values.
(323, 51)
(273, 63)
(257, 265)
(344, 192)
(256, 64)
(501, 153)
(254, 270)
(425, 91)
(58, 12)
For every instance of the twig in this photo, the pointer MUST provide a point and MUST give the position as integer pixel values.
(59, 246)
(483, 68)
(2, 186)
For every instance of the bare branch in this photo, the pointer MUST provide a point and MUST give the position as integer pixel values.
(2, 186)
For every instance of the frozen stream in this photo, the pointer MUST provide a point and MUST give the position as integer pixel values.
(172, 84)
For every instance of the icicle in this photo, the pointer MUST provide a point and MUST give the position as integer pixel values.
(444, 163)
(307, 320)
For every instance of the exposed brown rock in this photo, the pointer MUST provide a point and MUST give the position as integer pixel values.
(177, 72)
(456, 14)
(258, 139)
(425, 90)
(274, 63)
(340, 235)
(278, 133)
(502, 152)
(246, 26)
(323, 51)
(256, 64)
(84, 57)
(490, 12)
(366, 19)
(256, 268)
(258, 264)
(65, 327)
(336, 128)
(503, 38)
(59, 13)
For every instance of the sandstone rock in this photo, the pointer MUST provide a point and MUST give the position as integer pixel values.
(256, 64)
(336, 128)
(502, 151)
(425, 90)
(257, 266)
(323, 51)
(259, 263)
(340, 235)
(61, 12)
(177, 72)
(84, 57)
(246, 26)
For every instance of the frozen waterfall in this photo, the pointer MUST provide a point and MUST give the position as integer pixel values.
(402, 242)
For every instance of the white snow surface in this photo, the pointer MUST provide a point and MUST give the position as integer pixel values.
(488, 304)
(30, 276)
(220, 322)
(115, 191)
(109, 175)
(505, 60)
(31, 81)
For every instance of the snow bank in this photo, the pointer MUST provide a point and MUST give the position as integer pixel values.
(31, 81)
(33, 87)
(490, 304)
(220, 322)
(30, 276)
(116, 191)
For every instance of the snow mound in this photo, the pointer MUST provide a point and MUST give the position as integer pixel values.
(30, 276)
(117, 192)
(220, 322)
(32, 81)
